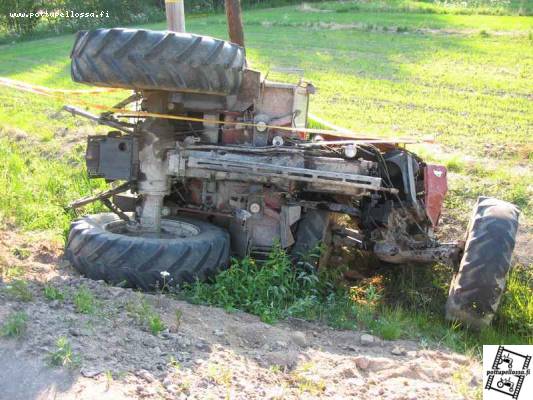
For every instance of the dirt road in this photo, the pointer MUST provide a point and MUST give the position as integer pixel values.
(203, 353)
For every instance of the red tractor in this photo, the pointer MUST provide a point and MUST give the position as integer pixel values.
(216, 161)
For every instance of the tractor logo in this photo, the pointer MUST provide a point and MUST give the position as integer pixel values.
(508, 373)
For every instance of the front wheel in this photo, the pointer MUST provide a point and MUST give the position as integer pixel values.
(478, 286)
(102, 246)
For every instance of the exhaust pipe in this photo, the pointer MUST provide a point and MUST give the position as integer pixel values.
(175, 15)
(233, 15)
(176, 18)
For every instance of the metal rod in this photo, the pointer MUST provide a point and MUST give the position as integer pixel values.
(103, 195)
(175, 15)
(115, 209)
(233, 14)
(109, 121)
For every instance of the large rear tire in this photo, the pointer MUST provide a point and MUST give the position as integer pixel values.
(478, 286)
(101, 246)
(143, 59)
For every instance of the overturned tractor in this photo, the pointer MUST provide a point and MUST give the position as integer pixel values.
(215, 160)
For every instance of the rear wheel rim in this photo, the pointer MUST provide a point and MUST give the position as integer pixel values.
(170, 229)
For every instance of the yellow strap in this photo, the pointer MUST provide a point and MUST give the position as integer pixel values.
(123, 113)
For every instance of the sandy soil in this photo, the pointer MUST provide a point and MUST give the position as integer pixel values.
(206, 353)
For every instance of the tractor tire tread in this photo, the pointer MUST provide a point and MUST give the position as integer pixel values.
(143, 59)
(478, 286)
(138, 262)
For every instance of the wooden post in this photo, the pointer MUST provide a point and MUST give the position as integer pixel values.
(233, 14)
(175, 15)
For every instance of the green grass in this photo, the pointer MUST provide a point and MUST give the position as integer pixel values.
(53, 293)
(15, 324)
(457, 70)
(84, 301)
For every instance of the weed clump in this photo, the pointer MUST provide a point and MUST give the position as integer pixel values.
(146, 316)
(15, 325)
(19, 290)
(53, 293)
(63, 356)
(84, 301)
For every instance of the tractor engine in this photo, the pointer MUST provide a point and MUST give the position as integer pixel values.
(251, 170)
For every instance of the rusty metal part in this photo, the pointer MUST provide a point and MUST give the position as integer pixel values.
(102, 120)
(123, 103)
(402, 240)
(329, 206)
(344, 236)
(115, 209)
(233, 15)
(246, 149)
(103, 195)
(447, 253)
(435, 187)
(199, 164)
(203, 212)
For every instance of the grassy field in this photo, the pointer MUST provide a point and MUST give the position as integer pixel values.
(389, 68)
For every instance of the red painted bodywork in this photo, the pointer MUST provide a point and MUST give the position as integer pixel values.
(435, 186)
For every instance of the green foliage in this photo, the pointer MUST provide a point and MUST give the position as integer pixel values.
(455, 164)
(27, 18)
(84, 301)
(63, 356)
(407, 301)
(272, 290)
(146, 316)
(515, 313)
(35, 190)
(156, 324)
(21, 26)
(19, 290)
(275, 289)
(53, 293)
(417, 297)
(391, 323)
(455, 7)
(14, 325)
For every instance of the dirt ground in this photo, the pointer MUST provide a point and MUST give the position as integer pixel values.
(205, 352)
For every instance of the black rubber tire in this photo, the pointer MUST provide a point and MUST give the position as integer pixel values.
(478, 286)
(313, 230)
(138, 261)
(159, 60)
